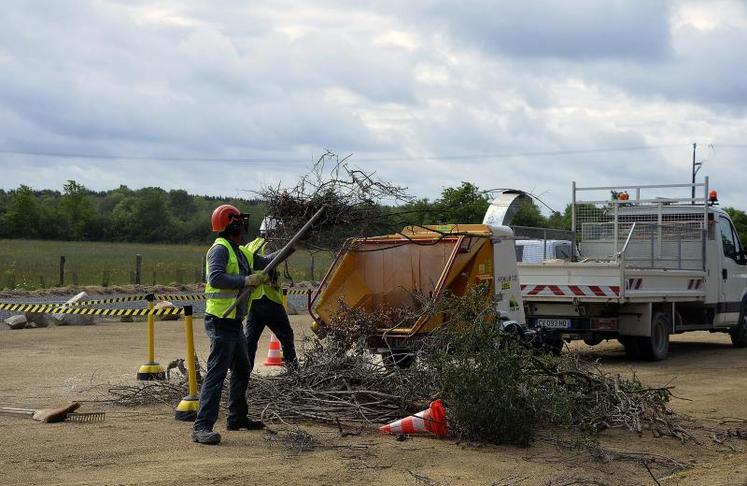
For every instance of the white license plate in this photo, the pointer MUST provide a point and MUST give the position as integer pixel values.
(554, 323)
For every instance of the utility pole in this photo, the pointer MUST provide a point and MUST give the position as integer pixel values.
(696, 168)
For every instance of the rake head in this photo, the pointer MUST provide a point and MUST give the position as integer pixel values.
(88, 417)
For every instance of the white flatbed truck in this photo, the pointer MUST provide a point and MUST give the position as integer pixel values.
(647, 267)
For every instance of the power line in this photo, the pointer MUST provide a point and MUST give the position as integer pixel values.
(524, 154)
(73, 155)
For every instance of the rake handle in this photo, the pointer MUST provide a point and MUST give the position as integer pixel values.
(17, 411)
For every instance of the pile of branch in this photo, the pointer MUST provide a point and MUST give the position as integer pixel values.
(350, 327)
(500, 388)
(333, 385)
(496, 387)
(353, 200)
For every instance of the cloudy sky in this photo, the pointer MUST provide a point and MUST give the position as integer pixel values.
(223, 97)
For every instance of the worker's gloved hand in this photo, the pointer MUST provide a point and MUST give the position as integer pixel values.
(255, 280)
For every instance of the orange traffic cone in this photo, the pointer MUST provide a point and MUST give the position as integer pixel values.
(274, 354)
(432, 420)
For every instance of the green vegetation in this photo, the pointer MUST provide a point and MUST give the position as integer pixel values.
(148, 215)
(467, 204)
(124, 222)
(33, 264)
(740, 222)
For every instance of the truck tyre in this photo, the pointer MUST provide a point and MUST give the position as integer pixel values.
(555, 346)
(656, 346)
(738, 333)
(592, 340)
(630, 343)
(397, 359)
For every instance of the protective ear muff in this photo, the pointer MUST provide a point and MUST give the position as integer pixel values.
(234, 228)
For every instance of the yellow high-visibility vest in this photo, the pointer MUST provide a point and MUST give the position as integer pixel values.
(259, 246)
(219, 305)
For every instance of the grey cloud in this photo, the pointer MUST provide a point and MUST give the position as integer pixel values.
(710, 68)
(573, 29)
(230, 79)
(112, 79)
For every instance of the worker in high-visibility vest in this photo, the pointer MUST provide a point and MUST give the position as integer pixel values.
(230, 269)
(266, 306)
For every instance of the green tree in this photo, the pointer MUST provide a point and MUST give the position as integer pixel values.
(739, 218)
(529, 215)
(463, 204)
(151, 216)
(561, 221)
(121, 223)
(22, 214)
(418, 211)
(77, 208)
(182, 205)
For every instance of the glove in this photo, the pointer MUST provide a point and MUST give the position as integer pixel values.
(255, 280)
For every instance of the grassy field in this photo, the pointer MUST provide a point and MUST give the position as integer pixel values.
(33, 264)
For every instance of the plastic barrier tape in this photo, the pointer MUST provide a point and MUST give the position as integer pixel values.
(87, 311)
(171, 297)
(83, 308)
(139, 298)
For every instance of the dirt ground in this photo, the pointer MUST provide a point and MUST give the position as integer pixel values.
(146, 446)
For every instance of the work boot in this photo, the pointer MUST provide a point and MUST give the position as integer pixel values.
(244, 423)
(205, 437)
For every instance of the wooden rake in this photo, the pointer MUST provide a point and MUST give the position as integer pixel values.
(61, 414)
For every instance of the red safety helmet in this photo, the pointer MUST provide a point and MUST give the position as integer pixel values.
(223, 215)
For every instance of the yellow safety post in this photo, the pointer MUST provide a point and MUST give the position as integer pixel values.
(151, 370)
(186, 411)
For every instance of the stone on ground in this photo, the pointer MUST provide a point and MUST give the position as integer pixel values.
(16, 322)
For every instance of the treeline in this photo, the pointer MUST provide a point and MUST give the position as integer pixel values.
(467, 204)
(149, 215)
(153, 215)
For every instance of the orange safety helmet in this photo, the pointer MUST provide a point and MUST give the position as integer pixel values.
(223, 215)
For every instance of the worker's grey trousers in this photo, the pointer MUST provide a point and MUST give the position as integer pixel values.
(227, 351)
(264, 312)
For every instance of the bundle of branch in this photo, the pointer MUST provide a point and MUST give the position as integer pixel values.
(350, 327)
(353, 200)
(498, 388)
(334, 385)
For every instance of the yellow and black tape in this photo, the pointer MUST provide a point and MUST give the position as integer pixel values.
(83, 308)
(88, 311)
(182, 297)
(140, 298)
(111, 300)
(172, 297)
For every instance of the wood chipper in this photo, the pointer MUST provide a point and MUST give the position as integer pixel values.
(388, 271)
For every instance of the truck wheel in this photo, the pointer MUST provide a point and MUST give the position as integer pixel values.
(738, 333)
(592, 340)
(656, 346)
(397, 359)
(630, 344)
(555, 346)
